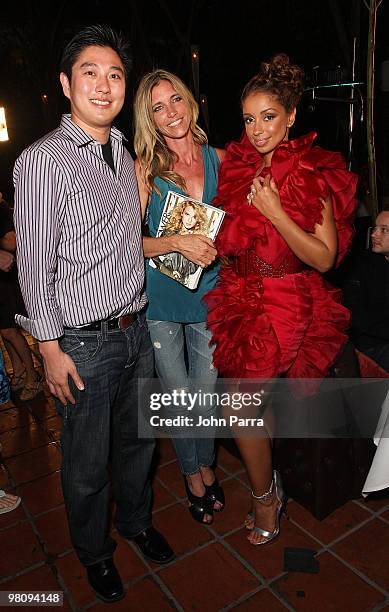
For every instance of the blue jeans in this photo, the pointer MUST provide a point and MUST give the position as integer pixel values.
(102, 429)
(168, 339)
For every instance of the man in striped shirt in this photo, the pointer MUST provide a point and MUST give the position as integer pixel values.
(81, 268)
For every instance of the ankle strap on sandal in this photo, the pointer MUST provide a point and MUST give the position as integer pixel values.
(264, 496)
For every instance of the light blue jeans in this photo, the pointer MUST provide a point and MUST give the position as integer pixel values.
(169, 340)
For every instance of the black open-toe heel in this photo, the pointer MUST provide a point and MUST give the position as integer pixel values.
(199, 506)
(216, 494)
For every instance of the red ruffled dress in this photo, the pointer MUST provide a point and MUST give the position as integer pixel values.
(270, 314)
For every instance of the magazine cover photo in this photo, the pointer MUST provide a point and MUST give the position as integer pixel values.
(184, 215)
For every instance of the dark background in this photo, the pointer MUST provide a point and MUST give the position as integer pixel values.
(233, 38)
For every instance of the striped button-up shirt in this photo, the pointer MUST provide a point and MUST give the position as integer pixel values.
(78, 228)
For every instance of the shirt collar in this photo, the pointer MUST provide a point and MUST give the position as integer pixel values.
(80, 137)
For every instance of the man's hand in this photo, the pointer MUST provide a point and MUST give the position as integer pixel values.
(58, 367)
(6, 261)
(197, 248)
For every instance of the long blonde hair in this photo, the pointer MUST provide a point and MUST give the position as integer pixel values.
(155, 157)
(175, 223)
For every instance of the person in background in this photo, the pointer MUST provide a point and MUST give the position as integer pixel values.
(366, 294)
(25, 378)
(8, 502)
(173, 154)
(82, 277)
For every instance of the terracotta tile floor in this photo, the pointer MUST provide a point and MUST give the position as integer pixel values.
(215, 569)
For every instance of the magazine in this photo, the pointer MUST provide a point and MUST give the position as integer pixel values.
(184, 215)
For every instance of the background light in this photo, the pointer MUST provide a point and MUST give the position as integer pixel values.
(3, 126)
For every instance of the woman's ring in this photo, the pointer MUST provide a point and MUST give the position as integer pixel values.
(253, 190)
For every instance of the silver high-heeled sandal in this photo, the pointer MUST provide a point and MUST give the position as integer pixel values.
(249, 520)
(280, 497)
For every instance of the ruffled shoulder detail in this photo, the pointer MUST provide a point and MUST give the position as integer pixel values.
(316, 173)
(342, 185)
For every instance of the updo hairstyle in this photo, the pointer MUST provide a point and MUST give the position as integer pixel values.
(280, 78)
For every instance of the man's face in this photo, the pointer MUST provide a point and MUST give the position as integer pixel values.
(96, 90)
(380, 234)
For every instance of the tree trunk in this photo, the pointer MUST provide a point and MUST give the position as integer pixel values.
(370, 83)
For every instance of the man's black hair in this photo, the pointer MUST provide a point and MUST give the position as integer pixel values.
(98, 36)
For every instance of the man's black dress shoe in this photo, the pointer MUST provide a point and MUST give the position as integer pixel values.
(153, 546)
(105, 581)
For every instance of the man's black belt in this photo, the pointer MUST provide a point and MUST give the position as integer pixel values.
(119, 323)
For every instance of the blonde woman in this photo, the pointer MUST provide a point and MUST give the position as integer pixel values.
(173, 154)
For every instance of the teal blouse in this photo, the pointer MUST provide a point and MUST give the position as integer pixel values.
(168, 299)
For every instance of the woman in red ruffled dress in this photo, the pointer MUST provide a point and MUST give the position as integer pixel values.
(288, 208)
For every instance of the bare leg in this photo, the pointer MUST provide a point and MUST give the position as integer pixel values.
(255, 451)
(196, 486)
(208, 478)
(15, 338)
(257, 457)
